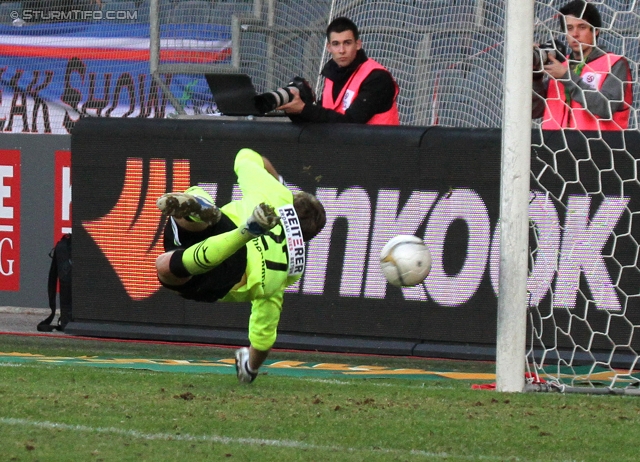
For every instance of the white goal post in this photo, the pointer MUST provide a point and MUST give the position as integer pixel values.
(514, 198)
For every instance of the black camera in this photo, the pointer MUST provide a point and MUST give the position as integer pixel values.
(267, 102)
(542, 52)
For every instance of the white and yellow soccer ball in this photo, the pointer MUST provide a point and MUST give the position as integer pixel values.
(405, 260)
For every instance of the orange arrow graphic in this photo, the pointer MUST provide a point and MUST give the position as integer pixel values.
(127, 234)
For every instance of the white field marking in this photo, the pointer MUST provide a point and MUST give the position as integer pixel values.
(354, 382)
(376, 384)
(10, 365)
(228, 440)
(331, 381)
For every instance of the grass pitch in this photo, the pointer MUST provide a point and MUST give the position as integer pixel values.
(66, 412)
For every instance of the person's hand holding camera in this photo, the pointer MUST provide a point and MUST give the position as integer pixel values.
(291, 98)
(548, 58)
(556, 69)
(296, 105)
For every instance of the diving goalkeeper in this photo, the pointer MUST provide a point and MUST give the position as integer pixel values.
(246, 250)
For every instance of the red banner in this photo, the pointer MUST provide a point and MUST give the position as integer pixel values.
(9, 220)
(62, 195)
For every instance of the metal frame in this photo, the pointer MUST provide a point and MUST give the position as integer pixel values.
(157, 68)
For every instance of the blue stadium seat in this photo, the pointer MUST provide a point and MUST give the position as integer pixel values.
(222, 11)
(289, 13)
(191, 12)
(143, 11)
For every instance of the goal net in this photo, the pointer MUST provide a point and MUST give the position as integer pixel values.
(583, 281)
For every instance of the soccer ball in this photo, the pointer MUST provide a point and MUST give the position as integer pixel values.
(405, 261)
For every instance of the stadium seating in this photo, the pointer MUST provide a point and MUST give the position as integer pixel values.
(288, 14)
(222, 11)
(143, 11)
(191, 12)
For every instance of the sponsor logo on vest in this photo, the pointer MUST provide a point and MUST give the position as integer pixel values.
(347, 99)
(592, 79)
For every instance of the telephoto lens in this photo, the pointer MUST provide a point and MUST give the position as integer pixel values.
(267, 102)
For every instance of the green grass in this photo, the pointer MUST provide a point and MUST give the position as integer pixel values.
(68, 413)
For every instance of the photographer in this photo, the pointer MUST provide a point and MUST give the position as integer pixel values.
(591, 89)
(356, 88)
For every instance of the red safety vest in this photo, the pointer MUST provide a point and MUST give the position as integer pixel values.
(558, 115)
(350, 92)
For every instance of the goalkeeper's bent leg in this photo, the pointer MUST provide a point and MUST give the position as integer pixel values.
(206, 255)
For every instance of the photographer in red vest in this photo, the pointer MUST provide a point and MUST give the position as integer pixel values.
(357, 89)
(591, 89)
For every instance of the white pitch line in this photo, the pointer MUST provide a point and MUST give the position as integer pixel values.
(228, 440)
(375, 384)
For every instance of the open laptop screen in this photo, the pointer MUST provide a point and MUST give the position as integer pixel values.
(233, 93)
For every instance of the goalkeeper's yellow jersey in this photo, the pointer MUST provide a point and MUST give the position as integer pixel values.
(267, 257)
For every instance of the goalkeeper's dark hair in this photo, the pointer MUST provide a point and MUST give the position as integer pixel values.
(342, 24)
(582, 10)
(311, 214)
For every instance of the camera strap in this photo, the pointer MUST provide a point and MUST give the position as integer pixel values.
(295, 242)
(577, 70)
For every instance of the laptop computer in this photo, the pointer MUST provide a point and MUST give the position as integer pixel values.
(233, 94)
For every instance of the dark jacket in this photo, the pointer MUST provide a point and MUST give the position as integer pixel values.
(376, 95)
